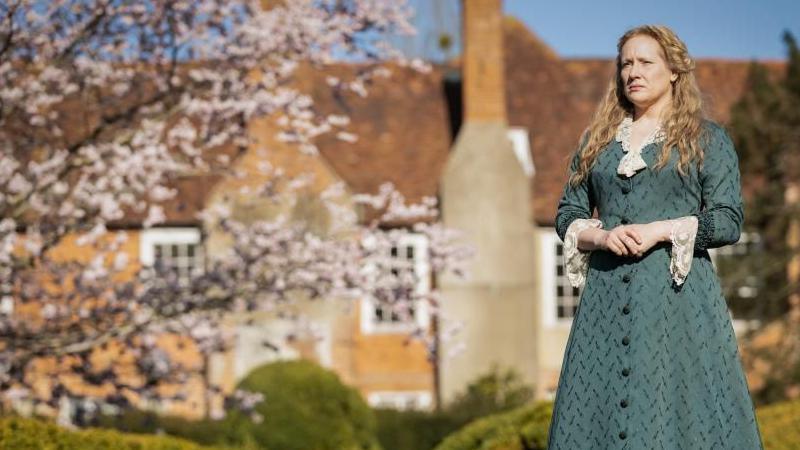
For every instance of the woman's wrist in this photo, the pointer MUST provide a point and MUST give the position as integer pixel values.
(662, 229)
(591, 239)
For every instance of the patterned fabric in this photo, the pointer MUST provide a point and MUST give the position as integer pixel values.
(682, 233)
(650, 363)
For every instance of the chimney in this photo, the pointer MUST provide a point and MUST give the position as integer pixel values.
(484, 90)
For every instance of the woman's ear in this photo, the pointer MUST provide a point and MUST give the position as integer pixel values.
(673, 77)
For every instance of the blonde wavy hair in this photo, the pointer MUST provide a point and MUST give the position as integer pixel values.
(682, 121)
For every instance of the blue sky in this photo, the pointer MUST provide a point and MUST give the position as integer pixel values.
(712, 28)
(735, 29)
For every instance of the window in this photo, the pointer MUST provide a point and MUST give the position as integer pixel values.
(175, 248)
(559, 298)
(740, 286)
(375, 318)
(400, 400)
(749, 243)
(566, 295)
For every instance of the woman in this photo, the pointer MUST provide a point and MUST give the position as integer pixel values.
(651, 359)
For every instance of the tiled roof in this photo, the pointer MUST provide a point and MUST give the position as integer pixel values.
(405, 134)
(405, 124)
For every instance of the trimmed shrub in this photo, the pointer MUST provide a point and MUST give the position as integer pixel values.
(23, 434)
(228, 431)
(779, 424)
(492, 392)
(522, 428)
(307, 407)
(414, 430)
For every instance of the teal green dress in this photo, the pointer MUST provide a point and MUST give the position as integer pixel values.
(650, 363)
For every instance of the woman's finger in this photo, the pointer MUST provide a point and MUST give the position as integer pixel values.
(631, 244)
(610, 246)
(623, 250)
(634, 234)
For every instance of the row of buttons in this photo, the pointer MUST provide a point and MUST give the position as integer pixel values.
(626, 309)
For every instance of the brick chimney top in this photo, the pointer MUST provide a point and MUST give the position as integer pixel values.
(483, 78)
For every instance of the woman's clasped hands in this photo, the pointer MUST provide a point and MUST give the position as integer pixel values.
(630, 240)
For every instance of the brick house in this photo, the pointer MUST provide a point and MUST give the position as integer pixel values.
(410, 128)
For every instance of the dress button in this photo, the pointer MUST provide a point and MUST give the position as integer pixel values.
(625, 188)
(625, 372)
(625, 221)
(626, 278)
(626, 340)
(623, 403)
(622, 435)
(626, 309)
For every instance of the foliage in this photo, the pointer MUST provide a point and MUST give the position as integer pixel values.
(307, 407)
(524, 428)
(780, 425)
(765, 127)
(414, 430)
(229, 430)
(493, 392)
(30, 434)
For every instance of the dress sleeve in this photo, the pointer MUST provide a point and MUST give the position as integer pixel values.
(722, 214)
(682, 235)
(575, 203)
(574, 215)
(576, 261)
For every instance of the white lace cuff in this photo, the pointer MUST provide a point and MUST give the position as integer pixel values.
(576, 261)
(682, 234)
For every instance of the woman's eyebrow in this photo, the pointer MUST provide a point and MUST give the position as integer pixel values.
(636, 57)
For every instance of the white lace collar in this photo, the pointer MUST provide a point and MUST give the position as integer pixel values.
(632, 160)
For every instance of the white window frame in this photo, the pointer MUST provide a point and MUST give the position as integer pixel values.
(548, 240)
(151, 237)
(400, 400)
(739, 325)
(369, 319)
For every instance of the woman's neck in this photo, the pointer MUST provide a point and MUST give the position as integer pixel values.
(653, 111)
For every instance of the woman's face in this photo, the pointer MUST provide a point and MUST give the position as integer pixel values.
(645, 75)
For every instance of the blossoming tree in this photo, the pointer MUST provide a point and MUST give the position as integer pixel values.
(102, 104)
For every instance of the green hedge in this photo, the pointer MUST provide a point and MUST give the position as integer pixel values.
(414, 430)
(522, 428)
(23, 434)
(492, 392)
(307, 407)
(230, 431)
(780, 425)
